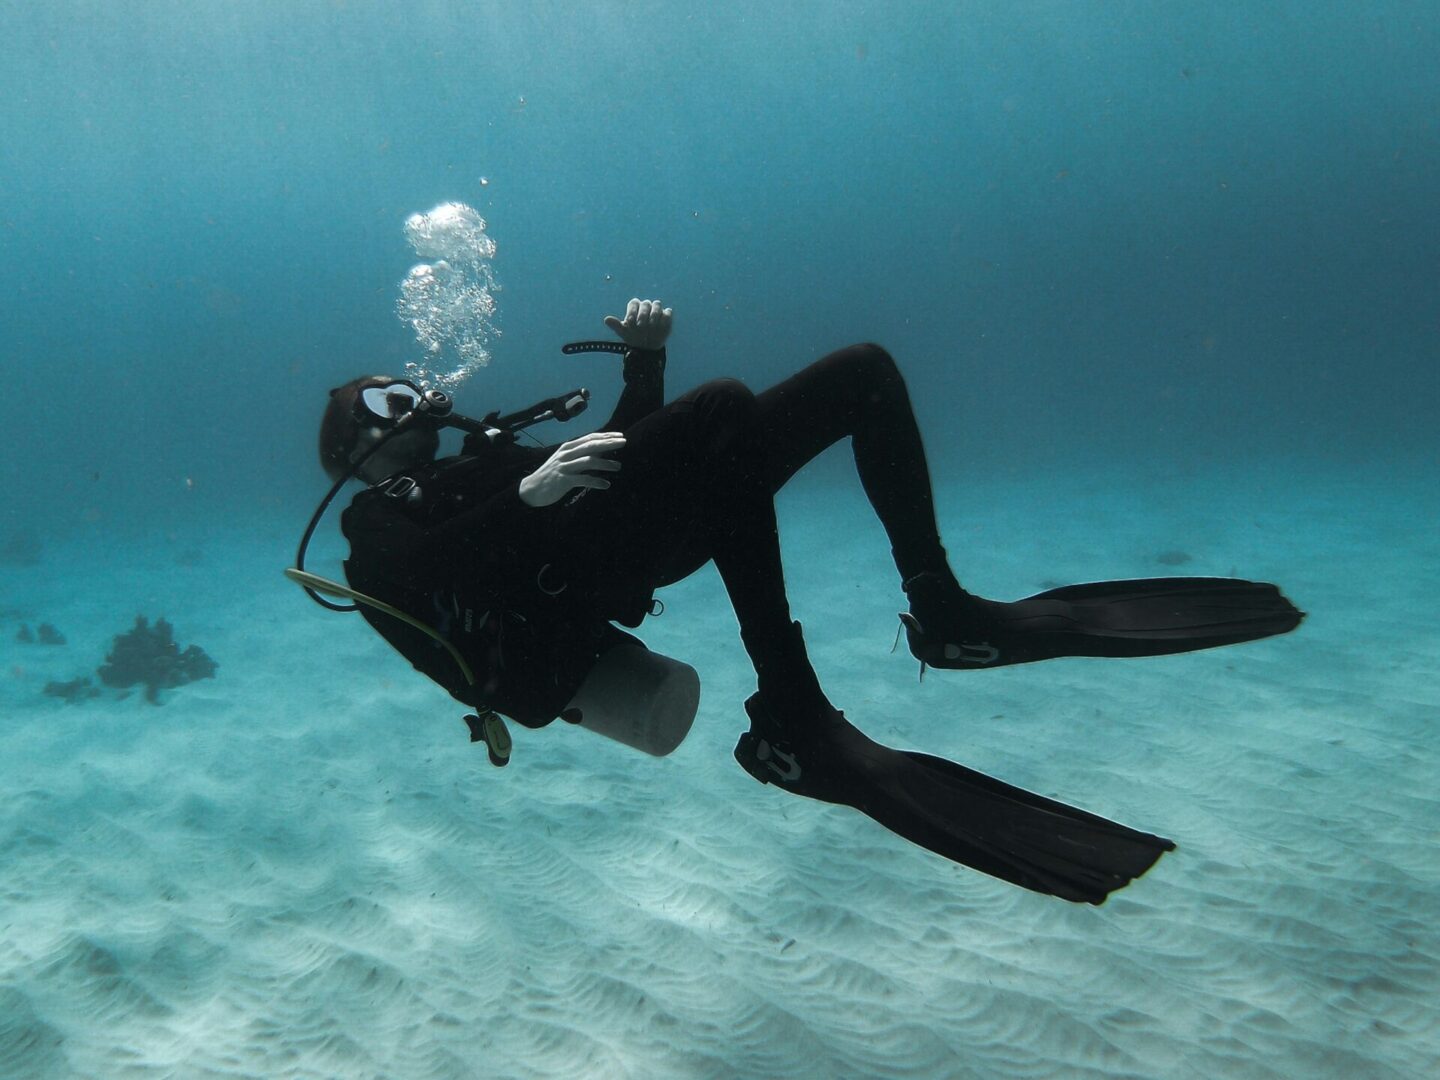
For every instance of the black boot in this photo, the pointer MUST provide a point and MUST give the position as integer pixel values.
(786, 680)
(792, 723)
(947, 627)
(804, 754)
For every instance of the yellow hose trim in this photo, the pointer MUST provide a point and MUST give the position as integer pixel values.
(344, 592)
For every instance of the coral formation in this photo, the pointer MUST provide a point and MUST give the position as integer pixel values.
(45, 635)
(148, 656)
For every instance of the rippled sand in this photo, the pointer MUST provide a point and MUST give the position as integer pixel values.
(303, 869)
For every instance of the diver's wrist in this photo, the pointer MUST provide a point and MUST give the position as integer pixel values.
(643, 363)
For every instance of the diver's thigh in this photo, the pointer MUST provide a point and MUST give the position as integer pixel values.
(647, 514)
(811, 411)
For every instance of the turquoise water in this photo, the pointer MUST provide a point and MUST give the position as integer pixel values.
(1162, 283)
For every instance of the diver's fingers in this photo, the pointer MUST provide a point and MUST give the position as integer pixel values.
(594, 438)
(604, 442)
(603, 464)
(597, 442)
(657, 315)
(632, 311)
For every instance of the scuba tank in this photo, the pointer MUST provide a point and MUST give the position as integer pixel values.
(637, 697)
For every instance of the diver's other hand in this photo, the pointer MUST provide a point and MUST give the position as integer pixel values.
(573, 465)
(646, 324)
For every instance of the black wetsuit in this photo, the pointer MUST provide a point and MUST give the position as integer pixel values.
(528, 594)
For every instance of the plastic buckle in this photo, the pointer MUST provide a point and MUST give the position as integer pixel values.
(399, 487)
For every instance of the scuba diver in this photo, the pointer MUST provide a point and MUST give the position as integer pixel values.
(500, 573)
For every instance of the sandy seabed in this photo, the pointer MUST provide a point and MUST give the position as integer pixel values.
(303, 869)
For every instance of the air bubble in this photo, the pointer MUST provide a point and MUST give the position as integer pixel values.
(450, 303)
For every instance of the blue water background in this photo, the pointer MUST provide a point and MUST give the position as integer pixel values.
(1171, 231)
(1191, 244)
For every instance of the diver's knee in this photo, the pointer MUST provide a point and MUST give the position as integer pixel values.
(865, 362)
(727, 410)
(874, 357)
(727, 397)
(730, 389)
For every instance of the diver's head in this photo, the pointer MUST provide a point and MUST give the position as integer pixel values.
(360, 414)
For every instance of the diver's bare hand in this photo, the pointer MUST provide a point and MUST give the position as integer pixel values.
(646, 324)
(573, 465)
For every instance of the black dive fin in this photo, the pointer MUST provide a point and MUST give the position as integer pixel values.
(966, 816)
(1142, 617)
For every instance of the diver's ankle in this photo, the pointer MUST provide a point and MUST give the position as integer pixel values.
(934, 588)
